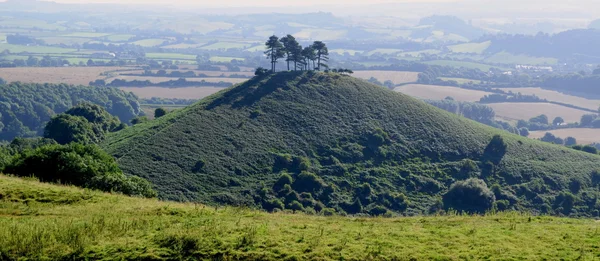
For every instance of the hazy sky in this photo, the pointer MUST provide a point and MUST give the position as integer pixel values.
(226, 3)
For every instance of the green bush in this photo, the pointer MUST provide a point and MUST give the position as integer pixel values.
(66, 128)
(308, 182)
(284, 179)
(159, 112)
(80, 165)
(471, 196)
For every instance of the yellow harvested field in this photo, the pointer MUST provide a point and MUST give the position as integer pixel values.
(207, 73)
(70, 75)
(526, 111)
(166, 79)
(435, 92)
(177, 93)
(397, 77)
(558, 97)
(583, 135)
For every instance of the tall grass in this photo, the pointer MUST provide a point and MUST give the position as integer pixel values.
(113, 227)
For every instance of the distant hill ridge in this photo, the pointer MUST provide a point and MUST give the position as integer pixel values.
(314, 141)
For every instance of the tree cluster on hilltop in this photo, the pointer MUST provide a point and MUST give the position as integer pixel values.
(302, 58)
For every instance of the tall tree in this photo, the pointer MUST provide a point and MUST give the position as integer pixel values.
(290, 46)
(297, 58)
(308, 54)
(274, 51)
(322, 54)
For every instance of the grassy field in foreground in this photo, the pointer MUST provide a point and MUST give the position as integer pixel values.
(42, 221)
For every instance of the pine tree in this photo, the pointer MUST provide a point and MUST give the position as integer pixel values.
(274, 51)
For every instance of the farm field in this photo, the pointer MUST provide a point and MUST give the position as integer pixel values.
(150, 42)
(223, 59)
(397, 77)
(174, 56)
(70, 75)
(91, 225)
(13, 48)
(434, 92)
(477, 48)
(165, 79)
(508, 58)
(460, 80)
(227, 45)
(468, 65)
(583, 135)
(557, 97)
(526, 111)
(174, 93)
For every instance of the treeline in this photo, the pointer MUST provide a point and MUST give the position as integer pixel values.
(498, 98)
(181, 82)
(25, 108)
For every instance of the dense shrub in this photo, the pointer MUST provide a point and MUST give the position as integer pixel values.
(66, 128)
(308, 182)
(80, 165)
(471, 196)
(85, 123)
(284, 179)
(159, 112)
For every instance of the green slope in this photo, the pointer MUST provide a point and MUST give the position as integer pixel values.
(363, 143)
(48, 222)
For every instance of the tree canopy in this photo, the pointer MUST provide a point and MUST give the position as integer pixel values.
(316, 54)
(85, 123)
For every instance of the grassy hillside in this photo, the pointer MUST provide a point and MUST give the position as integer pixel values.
(328, 142)
(47, 222)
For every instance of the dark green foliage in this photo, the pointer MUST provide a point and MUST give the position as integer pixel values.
(495, 150)
(333, 134)
(570, 141)
(524, 132)
(66, 128)
(308, 182)
(564, 202)
(159, 112)
(138, 120)
(542, 119)
(26, 108)
(81, 165)
(471, 196)
(284, 179)
(85, 123)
